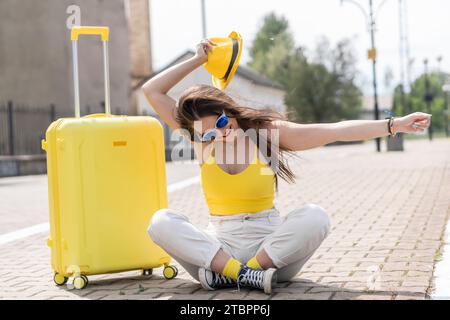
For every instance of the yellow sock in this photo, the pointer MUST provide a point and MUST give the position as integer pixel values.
(254, 264)
(232, 268)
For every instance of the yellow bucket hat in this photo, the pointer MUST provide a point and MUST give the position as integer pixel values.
(223, 59)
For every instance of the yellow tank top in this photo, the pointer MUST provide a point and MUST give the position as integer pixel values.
(249, 191)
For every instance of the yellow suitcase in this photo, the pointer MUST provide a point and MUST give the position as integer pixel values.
(106, 178)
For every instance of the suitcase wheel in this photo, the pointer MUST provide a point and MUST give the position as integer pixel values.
(147, 272)
(59, 279)
(80, 282)
(170, 272)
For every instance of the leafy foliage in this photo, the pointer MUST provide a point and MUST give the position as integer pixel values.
(415, 100)
(320, 88)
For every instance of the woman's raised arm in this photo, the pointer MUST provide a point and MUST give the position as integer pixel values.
(155, 89)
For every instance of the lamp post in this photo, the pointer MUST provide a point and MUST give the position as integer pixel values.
(372, 53)
(428, 97)
(374, 68)
(446, 89)
(203, 19)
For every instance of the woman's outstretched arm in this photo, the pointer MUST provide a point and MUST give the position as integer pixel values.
(155, 89)
(307, 136)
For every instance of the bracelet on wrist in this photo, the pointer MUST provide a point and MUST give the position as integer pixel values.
(390, 125)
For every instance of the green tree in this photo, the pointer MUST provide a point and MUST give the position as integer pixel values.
(323, 90)
(318, 89)
(400, 103)
(415, 99)
(271, 47)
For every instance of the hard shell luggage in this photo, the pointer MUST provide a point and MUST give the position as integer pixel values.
(106, 178)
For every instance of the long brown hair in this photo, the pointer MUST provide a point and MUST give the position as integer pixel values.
(203, 100)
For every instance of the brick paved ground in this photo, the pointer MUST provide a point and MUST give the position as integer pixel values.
(388, 213)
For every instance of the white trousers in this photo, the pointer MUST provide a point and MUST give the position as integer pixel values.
(289, 241)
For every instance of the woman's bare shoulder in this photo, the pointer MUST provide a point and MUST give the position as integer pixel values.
(278, 124)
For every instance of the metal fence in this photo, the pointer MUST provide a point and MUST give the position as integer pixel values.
(23, 127)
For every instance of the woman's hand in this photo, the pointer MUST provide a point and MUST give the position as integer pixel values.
(411, 123)
(156, 89)
(203, 48)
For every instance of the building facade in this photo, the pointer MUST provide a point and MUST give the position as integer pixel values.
(36, 79)
(36, 56)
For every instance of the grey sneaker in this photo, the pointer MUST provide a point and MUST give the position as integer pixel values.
(260, 279)
(211, 280)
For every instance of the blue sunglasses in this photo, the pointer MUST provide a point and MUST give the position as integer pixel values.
(211, 134)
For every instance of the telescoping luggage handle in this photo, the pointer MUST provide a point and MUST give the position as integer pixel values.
(104, 33)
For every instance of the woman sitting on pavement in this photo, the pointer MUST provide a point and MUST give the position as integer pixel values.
(247, 243)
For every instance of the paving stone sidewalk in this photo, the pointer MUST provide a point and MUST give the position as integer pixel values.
(388, 212)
